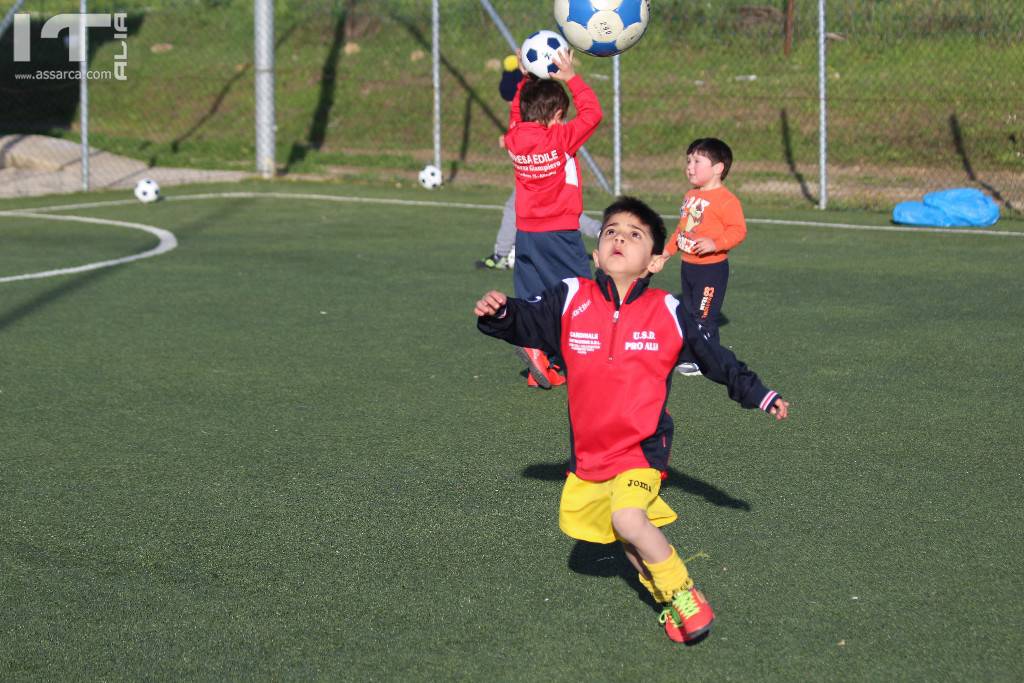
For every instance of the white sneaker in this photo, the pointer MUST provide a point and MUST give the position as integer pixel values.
(688, 369)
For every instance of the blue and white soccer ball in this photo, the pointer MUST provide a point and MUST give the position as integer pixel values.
(539, 50)
(430, 177)
(602, 28)
(147, 191)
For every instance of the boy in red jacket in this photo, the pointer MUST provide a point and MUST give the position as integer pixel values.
(542, 143)
(620, 341)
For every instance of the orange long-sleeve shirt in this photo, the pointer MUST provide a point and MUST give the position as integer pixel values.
(713, 213)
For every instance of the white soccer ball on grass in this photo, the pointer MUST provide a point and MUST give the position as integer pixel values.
(430, 177)
(147, 191)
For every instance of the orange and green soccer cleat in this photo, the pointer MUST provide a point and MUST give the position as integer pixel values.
(688, 616)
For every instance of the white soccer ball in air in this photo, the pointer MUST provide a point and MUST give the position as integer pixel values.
(147, 191)
(602, 27)
(539, 50)
(430, 177)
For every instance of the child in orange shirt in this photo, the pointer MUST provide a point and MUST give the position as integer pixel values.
(710, 224)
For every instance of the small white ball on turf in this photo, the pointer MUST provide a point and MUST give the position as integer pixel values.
(430, 177)
(538, 52)
(602, 28)
(147, 191)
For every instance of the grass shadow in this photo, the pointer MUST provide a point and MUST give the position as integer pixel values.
(607, 560)
(472, 96)
(219, 99)
(787, 150)
(68, 285)
(676, 479)
(40, 105)
(325, 100)
(961, 149)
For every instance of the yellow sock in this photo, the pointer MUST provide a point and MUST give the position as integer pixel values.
(655, 593)
(669, 575)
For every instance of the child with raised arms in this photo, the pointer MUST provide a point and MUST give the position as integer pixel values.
(542, 142)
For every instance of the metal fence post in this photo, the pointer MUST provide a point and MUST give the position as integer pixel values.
(263, 28)
(616, 127)
(822, 112)
(83, 89)
(435, 48)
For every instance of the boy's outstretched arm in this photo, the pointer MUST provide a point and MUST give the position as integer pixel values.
(588, 108)
(721, 365)
(536, 323)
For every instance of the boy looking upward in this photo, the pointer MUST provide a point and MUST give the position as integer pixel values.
(711, 223)
(620, 341)
(542, 142)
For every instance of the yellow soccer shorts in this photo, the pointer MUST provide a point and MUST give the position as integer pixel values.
(586, 509)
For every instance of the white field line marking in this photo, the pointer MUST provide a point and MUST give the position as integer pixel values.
(167, 242)
(459, 205)
(891, 228)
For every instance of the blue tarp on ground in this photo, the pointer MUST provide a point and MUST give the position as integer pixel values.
(962, 207)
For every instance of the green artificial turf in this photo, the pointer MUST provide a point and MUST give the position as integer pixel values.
(282, 451)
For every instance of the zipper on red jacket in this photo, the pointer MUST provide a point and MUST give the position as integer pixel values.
(615, 326)
(615, 317)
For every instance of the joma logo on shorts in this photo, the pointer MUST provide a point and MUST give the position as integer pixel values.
(642, 484)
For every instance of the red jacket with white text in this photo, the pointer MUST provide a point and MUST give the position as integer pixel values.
(619, 359)
(548, 191)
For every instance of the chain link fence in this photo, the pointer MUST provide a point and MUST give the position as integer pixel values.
(921, 95)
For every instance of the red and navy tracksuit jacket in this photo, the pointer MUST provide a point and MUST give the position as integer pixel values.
(619, 359)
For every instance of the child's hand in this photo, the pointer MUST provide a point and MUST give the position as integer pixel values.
(563, 60)
(779, 409)
(704, 245)
(501, 141)
(491, 303)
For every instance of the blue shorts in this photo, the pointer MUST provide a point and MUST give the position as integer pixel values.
(543, 259)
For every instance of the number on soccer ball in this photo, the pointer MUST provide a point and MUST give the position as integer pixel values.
(602, 28)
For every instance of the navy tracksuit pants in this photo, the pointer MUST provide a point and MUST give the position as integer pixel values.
(703, 291)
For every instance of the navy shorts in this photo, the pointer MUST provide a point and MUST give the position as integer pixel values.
(543, 259)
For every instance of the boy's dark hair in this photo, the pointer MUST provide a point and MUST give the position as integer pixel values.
(647, 216)
(539, 100)
(715, 150)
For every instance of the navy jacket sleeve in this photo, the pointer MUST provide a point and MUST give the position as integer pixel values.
(509, 84)
(721, 365)
(533, 323)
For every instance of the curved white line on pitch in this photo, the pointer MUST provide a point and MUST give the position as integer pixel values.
(167, 242)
